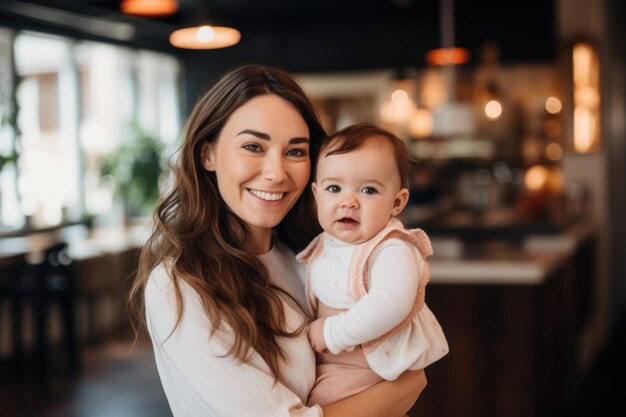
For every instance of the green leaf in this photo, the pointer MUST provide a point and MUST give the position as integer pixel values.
(137, 168)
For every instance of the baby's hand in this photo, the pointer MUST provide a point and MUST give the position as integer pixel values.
(316, 336)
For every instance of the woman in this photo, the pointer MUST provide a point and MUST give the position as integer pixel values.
(218, 282)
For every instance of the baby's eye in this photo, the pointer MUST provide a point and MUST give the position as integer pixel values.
(252, 147)
(369, 190)
(333, 188)
(296, 152)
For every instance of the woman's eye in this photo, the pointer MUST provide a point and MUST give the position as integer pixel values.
(252, 147)
(333, 188)
(296, 152)
(368, 190)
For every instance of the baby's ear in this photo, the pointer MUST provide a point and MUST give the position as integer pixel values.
(314, 189)
(400, 201)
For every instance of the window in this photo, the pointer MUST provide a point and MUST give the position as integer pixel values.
(9, 212)
(78, 102)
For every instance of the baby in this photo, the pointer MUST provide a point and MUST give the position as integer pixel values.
(366, 273)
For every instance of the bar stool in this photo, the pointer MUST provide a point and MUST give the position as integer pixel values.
(12, 269)
(55, 284)
(42, 285)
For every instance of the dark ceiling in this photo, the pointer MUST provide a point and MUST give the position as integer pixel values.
(318, 35)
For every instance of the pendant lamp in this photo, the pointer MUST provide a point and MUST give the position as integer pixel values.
(448, 54)
(149, 8)
(452, 117)
(205, 35)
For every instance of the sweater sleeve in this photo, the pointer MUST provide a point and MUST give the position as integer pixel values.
(198, 378)
(395, 272)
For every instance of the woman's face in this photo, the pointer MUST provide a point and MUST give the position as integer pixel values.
(261, 160)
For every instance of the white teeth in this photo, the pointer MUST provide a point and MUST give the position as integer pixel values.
(267, 196)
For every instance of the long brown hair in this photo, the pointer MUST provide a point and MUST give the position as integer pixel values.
(200, 239)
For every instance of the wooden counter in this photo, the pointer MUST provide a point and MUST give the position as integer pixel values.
(513, 320)
(529, 262)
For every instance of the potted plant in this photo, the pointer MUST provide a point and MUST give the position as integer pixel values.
(5, 159)
(136, 168)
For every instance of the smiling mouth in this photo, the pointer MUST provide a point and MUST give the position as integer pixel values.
(266, 196)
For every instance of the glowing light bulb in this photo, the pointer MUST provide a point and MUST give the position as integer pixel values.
(399, 98)
(536, 177)
(553, 105)
(204, 34)
(493, 109)
(421, 123)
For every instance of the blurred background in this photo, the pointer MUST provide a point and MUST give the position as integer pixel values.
(515, 110)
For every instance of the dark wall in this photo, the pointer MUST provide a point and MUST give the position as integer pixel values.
(615, 112)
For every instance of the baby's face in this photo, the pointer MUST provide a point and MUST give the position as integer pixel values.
(358, 192)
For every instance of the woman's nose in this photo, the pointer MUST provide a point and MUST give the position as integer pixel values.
(274, 169)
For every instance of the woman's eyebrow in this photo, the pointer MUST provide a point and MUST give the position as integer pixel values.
(265, 136)
(298, 140)
(256, 133)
